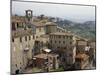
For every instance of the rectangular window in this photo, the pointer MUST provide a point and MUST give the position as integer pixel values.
(55, 41)
(16, 65)
(59, 41)
(20, 39)
(36, 36)
(59, 36)
(12, 39)
(64, 47)
(58, 47)
(70, 37)
(63, 42)
(25, 38)
(51, 41)
(64, 37)
(70, 42)
(17, 25)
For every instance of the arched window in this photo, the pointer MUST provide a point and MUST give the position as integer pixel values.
(13, 26)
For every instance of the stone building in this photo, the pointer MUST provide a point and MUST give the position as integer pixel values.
(30, 35)
(21, 50)
(47, 62)
(64, 44)
(22, 44)
(81, 45)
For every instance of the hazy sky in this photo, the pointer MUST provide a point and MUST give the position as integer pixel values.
(71, 12)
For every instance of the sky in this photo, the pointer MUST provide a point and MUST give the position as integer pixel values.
(77, 13)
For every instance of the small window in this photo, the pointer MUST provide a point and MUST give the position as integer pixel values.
(58, 47)
(20, 39)
(51, 41)
(70, 43)
(55, 41)
(63, 42)
(25, 38)
(64, 37)
(16, 65)
(50, 58)
(36, 36)
(12, 39)
(17, 25)
(59, 36)
(64, 47)
(70, 37)
(59, 41)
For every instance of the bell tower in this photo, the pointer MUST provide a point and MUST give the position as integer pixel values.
(29, 14)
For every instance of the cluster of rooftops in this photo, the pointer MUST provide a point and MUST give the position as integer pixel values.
(38, 23)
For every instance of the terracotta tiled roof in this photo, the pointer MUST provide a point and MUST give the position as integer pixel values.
(82, 56)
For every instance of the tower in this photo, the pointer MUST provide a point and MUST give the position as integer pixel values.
(29, 14)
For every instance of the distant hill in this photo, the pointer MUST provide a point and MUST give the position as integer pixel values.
(86, 29)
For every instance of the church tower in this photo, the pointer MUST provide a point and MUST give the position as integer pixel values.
(29, 14)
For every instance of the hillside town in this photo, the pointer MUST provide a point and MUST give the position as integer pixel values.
(39, 45)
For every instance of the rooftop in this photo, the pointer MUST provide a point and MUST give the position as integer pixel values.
(82, 56)
(39, 24)
(20, 33)
(18, 19)
(62, 33)
(81, 38)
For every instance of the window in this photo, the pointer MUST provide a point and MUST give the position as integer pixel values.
(63, 42)
(17, 25)
(12, 39)
(59, 41)
(36, 36)
(58, 47)
(50, 58)
(70, 42)
(64, 37)
(59, 36)
(70, 37)
(20, 39)
(25, 38)
(13, 26)
(16, 65)
(51, 41)
(55, 41)
(29, 37)
(64, 47)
